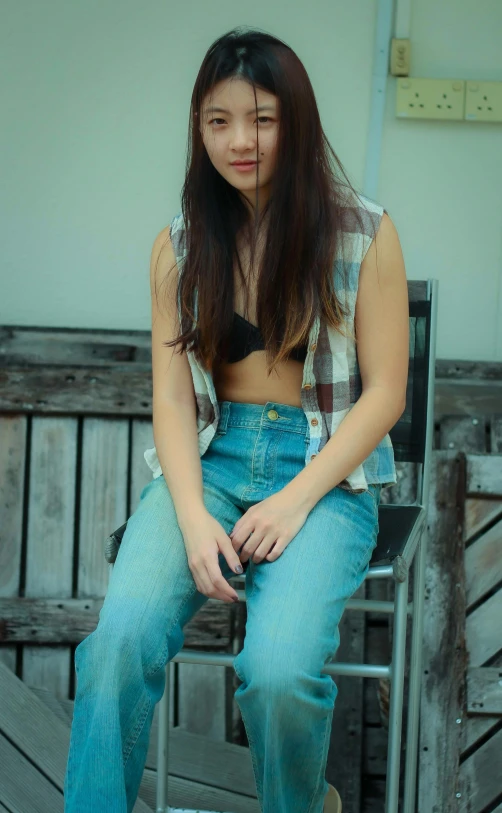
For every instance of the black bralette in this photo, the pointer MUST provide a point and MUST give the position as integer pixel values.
(246, 337)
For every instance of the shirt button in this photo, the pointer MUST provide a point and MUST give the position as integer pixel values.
(314, 421)
(273, 414)
(307, 386)
(313, 346)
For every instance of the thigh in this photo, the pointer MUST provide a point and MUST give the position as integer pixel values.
(295, 602)
(151, 582)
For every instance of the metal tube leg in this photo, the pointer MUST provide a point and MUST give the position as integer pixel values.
(396, 697)
(412, 733)
(163, 747)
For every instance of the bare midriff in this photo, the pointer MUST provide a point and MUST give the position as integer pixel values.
(247, 381)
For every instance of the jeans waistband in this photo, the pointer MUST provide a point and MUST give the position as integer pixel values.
(272, 415)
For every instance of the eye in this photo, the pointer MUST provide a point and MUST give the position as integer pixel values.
(260, 118)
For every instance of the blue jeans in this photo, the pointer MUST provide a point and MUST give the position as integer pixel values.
(294, 606)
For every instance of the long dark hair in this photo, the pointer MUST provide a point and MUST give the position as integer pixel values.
(304, 211)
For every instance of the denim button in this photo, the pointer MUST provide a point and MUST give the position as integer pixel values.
(273, 414)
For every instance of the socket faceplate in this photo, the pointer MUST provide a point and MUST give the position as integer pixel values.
(430, 98)
(483, 101)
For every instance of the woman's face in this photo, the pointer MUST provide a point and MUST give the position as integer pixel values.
(230, 133)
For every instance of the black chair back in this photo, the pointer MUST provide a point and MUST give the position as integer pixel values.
(409, 434)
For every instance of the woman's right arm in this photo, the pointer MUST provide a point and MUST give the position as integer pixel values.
(174, 406)
(175, 431)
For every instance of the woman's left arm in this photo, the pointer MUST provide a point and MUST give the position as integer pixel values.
(382, 330)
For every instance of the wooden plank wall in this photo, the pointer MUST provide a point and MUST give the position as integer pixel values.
(444, 655)
(480, 777)
(74, 421)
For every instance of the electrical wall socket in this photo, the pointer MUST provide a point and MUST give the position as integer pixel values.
(430, 98)
(483, 101)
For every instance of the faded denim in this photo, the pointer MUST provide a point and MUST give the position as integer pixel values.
(294, 606)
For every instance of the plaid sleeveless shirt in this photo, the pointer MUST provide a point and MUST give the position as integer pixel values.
(331, 377)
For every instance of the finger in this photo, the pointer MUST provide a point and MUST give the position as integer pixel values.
(238, 538)
(210, 590)
(242, 529)
(231, 555)
(250, 546)
(219, 583)
(275, 551)
(263, 548)
(235, 545)
(222, 586)
(202, 580)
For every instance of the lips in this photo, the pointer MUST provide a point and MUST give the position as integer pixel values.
(242, 163)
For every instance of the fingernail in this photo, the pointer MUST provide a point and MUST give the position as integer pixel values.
(238, 568)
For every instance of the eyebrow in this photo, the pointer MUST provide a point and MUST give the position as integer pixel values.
(222, 109)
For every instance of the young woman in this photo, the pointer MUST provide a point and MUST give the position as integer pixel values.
(271, 421)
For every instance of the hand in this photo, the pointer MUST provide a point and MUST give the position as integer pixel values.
(204, 539)
(273, 523)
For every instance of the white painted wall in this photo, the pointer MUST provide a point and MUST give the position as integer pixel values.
(94, 104)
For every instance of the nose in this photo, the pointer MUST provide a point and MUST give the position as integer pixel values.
(242, 138)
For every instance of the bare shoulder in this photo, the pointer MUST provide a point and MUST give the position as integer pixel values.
(387, 229)
(162, 237)
(386, 235)
(163, 266)
(384, 261)
(162, 258)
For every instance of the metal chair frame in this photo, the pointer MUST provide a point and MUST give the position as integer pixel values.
(413, 552)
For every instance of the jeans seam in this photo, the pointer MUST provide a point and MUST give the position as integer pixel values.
(160, 664)
(259, 787)
(290, 430)
(377, 503)
(375, 498)
(254, 452)
(247, 602)
(134, 735)
(252, 466)
(322, 758)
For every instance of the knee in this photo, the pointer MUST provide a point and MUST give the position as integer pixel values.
(281, 675)
(106, 655)
(119, 653)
